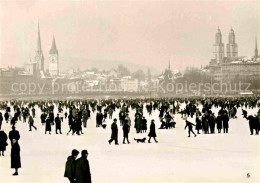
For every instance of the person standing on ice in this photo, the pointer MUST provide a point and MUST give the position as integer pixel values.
(152, 132)
(15, 156)
(70, 168)
(114, 135)
(48, 125)
(219, 123)
(189, 125)
(82, 168)
(225, 119)
(58, 124)
(1, 120)
(14, 134)
(3, 142)
(6, 115)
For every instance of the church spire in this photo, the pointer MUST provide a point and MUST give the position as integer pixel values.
(53, 49)
(256, 50)
(169, 65)
(39, 47)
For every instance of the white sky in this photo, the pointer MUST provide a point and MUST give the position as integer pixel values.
(138, 32)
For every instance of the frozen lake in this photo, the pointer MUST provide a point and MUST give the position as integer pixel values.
(207, 158)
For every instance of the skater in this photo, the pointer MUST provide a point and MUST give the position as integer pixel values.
(189, 125)
(82, 168)
(14, 134)
(126, 128)
(31, 123)
(114, 135)
(70, 168)
(15, 156)
(3, 142)
(152, 132)
(58, 124)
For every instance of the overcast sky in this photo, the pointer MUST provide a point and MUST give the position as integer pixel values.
(139, 32)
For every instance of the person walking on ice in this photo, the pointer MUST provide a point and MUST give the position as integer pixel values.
(189, 125)
(152, 132)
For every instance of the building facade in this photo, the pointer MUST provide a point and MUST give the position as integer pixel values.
(232, 66)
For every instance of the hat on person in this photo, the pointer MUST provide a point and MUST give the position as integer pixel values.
(84, 152)
(115, 119)
(74, 152)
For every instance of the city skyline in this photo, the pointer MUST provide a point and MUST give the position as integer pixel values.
(92, 38)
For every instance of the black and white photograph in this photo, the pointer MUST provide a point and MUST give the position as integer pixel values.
(121, 91)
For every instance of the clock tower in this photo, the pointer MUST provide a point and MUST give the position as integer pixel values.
(53, 59)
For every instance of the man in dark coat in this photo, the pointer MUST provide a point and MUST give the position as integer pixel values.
(99, 119)
(14, 134)
(219, 123)
(82, 169)
(225, 119)
(152, 132)
(6, 116)
(1, 120)
(126, 128)
(3, 143)
(212, 123)
(58, 124)
(15, 156)
(43, 118)
(70, 168)
(189, 125)
(252, 124)
(114, 135)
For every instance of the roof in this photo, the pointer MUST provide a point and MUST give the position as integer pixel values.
(53, 49)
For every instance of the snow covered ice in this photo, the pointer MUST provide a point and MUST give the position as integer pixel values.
(207, 158)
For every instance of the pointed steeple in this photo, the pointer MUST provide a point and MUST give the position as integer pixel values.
(169, 65)
(53, 49)
(39, 47)
(256, 50)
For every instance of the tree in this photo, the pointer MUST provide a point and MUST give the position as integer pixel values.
(123, 71)
(139, 74)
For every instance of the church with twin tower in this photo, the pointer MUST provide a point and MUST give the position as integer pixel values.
(36, 65)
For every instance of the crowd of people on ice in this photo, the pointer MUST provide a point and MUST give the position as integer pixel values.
(54, 114)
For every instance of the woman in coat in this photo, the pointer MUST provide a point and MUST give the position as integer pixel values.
(3, 142)
(48, 126)
(152, 132)
(198, 125)
(15, 156)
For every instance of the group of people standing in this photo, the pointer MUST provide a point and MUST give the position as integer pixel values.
(78, 112)
(78, 170)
